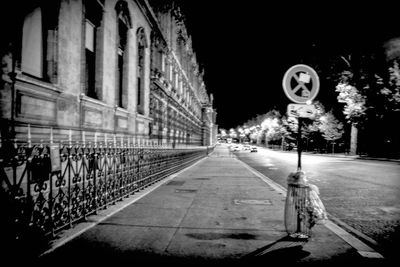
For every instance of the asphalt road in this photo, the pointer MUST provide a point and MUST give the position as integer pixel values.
(364, 194)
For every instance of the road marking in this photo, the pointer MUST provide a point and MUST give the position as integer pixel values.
(110, 211)
(363, 249)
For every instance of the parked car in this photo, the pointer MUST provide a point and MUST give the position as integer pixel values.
(246, 147)
(253, 149)
(234, 148)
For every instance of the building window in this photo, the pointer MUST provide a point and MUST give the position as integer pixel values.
(32, 44)
(93, 17)
(140, 68)
(159, 61)
(37, 42)
(171, 73)
(122, 34)
(163, 62)
(176, 81)
(123, 24)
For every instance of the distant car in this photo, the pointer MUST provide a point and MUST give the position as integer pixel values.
(246, 147)
(234, 148)
(253, 149)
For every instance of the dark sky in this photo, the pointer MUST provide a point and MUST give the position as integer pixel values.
(246, 47)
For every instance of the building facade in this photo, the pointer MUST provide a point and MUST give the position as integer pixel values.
(94, 70)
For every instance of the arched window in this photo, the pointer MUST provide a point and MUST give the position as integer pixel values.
(140, 67)
(123, 24)
(93, 18)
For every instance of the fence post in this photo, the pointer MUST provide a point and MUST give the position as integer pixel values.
(95, 175)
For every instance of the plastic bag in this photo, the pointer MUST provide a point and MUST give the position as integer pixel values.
(315, 207)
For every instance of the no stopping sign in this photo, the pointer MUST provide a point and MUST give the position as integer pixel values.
(300, 83)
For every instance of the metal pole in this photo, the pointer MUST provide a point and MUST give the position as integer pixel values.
(299, 147)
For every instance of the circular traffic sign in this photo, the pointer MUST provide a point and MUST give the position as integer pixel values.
(300, 83)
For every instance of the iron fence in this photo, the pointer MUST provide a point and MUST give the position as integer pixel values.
(52, 186)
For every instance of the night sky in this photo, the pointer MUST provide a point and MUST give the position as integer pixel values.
(245, 47)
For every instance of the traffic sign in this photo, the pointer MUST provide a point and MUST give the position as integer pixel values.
(300, 83)
(301, 111)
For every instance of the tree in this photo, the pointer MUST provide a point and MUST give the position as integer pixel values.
(330, 128)
(383, 112)
(223, 134)
(350, 81)
(232, 133)
(354, 108)
(393, 90)
(368, 85)
(272, 126)
(311, 131)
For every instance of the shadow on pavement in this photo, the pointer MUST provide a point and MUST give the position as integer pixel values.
(289, 251)
(284, 250)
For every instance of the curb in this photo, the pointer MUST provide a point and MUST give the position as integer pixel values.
(371, 242)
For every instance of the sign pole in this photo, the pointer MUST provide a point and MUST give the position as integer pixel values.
(299, 145)
(301, 85)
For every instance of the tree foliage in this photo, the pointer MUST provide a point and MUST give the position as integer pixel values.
(330, 127)
(272, 127)
(368, 86)
(354, 108)
(392, 91)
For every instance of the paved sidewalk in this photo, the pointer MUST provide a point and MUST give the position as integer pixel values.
(218, 211)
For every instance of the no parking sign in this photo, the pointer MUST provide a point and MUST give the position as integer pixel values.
(300, 83)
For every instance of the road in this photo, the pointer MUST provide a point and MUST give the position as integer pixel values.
(364, 194)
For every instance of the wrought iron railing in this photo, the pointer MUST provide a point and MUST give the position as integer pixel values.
(52, 186)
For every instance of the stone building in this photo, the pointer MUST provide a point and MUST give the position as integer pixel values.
(101, 70)
(178, 96)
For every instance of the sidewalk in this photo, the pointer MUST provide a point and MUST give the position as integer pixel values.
(218, 211)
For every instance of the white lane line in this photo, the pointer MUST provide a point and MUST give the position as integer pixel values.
(80, 228)
(363, 249)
